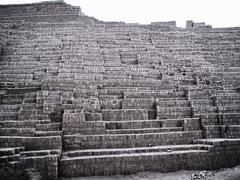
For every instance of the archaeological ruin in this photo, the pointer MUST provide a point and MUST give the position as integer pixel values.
(83, 97)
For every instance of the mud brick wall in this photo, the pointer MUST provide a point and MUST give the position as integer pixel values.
(128, 165)
(191, 24)
(93, 116)
(232, 131)
(209, 119)
(47, 165)
(174, 112)
(31, 143)
(40, 12)
(116, 85)
(221, 131)
(82, 123)
(139, 104)
(123, 115)
(223, 154)
(71, 142)
(169, 23)
(212, 131)
(229, 119)
(192, 124)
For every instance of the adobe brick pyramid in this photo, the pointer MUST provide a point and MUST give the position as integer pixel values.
(81, 97)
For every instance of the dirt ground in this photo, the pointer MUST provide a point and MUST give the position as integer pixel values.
(227, 174)
(223, 174)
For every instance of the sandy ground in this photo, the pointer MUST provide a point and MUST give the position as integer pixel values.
(180, 175)
(224, 174)
(227, 174)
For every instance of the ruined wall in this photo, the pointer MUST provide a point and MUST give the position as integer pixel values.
(221, 154)
(40, 12)
(72, 86)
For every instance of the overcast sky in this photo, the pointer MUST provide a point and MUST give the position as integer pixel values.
(219, 13)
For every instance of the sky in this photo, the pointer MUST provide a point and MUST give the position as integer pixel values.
(218, 13)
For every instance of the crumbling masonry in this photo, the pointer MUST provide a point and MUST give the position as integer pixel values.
(82, 97)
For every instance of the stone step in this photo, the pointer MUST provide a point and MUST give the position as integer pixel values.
(152, 114)
(133, 124)
(228, 102)
(109, 97)
(10, 151)
(11, 70)
(220, 118)
(40, 153)
(198, 94)
(198, 110)
(111, 104)
(31, 143)
(9, 108)
(163, 103)
(16, 77)
(142, 87)
(150, 123)
(230, 118)
(177, 122)
(122, 89)
(232, 131)
(126, 75)
(201, 102)
(229, 109)
(130, 163)
(8, 116)
(73, 142)
(144, 130)
(49, 127)
(29, 114)
(48, 133)
(174, 112)
(17, 131)
(23, 124)
(139, 103)
(221, 131)
(14, 164)
(228, 96)
(141, 92)
(6, 85)
(30, 97)
(9, 158)
(155, 94)
(110, 92)
(124, 114)
(157, 84)
(12, 99)
(22, 90)
(131, 151)
(28, 106)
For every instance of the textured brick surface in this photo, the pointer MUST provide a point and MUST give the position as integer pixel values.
(126, 94)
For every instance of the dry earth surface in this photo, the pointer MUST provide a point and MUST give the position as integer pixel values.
(223, 174)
